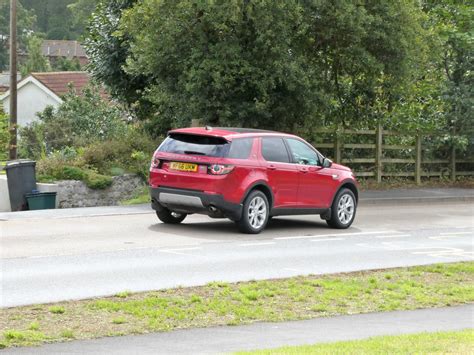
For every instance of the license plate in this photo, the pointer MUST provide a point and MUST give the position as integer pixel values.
(184, 166)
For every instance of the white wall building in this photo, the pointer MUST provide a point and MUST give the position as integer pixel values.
(39, 90)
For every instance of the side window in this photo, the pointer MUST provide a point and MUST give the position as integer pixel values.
(274, 149)
(302, 153)
(240, 148)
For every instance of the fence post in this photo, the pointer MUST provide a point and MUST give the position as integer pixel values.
(378, 152)
(338, 145)
(418, 160)
(195, 122)
(453, 163)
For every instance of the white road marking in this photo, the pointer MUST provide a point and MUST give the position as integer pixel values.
(455, 233)
(445, 252)
(255, 244)
(331, 235)
(178, 251)
(327, 239)
(393, 236)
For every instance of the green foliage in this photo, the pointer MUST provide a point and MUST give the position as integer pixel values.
(65, 64)
(4, 135)
(77, 122)
(452, 22)
(26, 20)
(32, 141)
(97, 181)
(108, 51)
(35, 61)
(240, 62)
(131, 153)
(81, 11)
(56, 167)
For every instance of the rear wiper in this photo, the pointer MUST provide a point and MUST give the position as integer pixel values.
(193, 152)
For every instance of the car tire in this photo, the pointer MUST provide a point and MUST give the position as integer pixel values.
(170, 217)
(343, 210)
(255, 213)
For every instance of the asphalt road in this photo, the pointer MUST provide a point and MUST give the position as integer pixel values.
(48, 259)
(219, 340)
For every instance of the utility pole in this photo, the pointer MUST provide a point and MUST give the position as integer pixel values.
(13, 83)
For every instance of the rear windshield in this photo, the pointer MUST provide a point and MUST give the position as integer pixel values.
(195, 145)
(207, 146)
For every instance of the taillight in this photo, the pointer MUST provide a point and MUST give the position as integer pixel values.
(220, 169)
(155, 163)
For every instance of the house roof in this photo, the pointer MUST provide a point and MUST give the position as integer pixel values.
(62, 48)
(58, 82)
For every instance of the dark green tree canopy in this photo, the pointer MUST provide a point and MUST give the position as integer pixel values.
(274, 64)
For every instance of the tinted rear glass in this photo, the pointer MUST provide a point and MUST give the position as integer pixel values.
(240, 148)
(195, 145)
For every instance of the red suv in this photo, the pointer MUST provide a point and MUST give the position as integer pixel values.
(248, 176)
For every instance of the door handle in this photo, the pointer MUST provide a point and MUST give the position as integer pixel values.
(271, 167)
(304, 171)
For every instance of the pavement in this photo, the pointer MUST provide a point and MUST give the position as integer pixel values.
(218, 340)
(416, 195)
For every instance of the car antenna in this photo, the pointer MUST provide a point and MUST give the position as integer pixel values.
(208, 128)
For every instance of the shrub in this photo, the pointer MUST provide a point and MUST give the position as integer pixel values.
(31, 141)
(72, 173)
(4, 135)
(97, 181)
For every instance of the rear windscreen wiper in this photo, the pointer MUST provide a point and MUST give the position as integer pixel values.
(193, 152)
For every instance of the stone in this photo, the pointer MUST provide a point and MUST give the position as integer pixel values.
(73, 193)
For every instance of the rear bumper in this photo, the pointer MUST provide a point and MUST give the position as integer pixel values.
(192, 201)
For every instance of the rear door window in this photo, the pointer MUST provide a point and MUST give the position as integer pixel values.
(274, 149)
(191, 144)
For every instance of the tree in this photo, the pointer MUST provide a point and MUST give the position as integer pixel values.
(65, 64)
(81, 11)
(108, 51)
(232, 63)
(54, 18)
(35, 61)
(367, 54)
(452, 21)
(25, 22)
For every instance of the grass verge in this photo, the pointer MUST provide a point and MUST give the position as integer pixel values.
(221, 303)
(458, 342)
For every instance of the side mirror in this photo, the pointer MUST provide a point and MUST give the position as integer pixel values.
(327, 163)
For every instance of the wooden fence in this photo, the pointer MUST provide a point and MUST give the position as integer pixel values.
(378, 161)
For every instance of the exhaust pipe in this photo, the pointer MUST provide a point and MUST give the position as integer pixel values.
(212, 209)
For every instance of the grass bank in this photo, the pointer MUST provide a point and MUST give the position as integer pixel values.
(459, 342)
(237, 303)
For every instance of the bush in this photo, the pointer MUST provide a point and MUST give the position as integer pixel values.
(72, 173)
(97, 181)
(4, 136)
(132, 153)
(32, 142)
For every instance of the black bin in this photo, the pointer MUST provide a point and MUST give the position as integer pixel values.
(21, 180)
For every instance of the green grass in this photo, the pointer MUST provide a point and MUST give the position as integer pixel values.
(220, 303)
(140, 197)
(57, 309)
(459, 342)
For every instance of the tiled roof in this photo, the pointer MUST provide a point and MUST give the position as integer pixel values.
(60, 48)
(58, 82)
